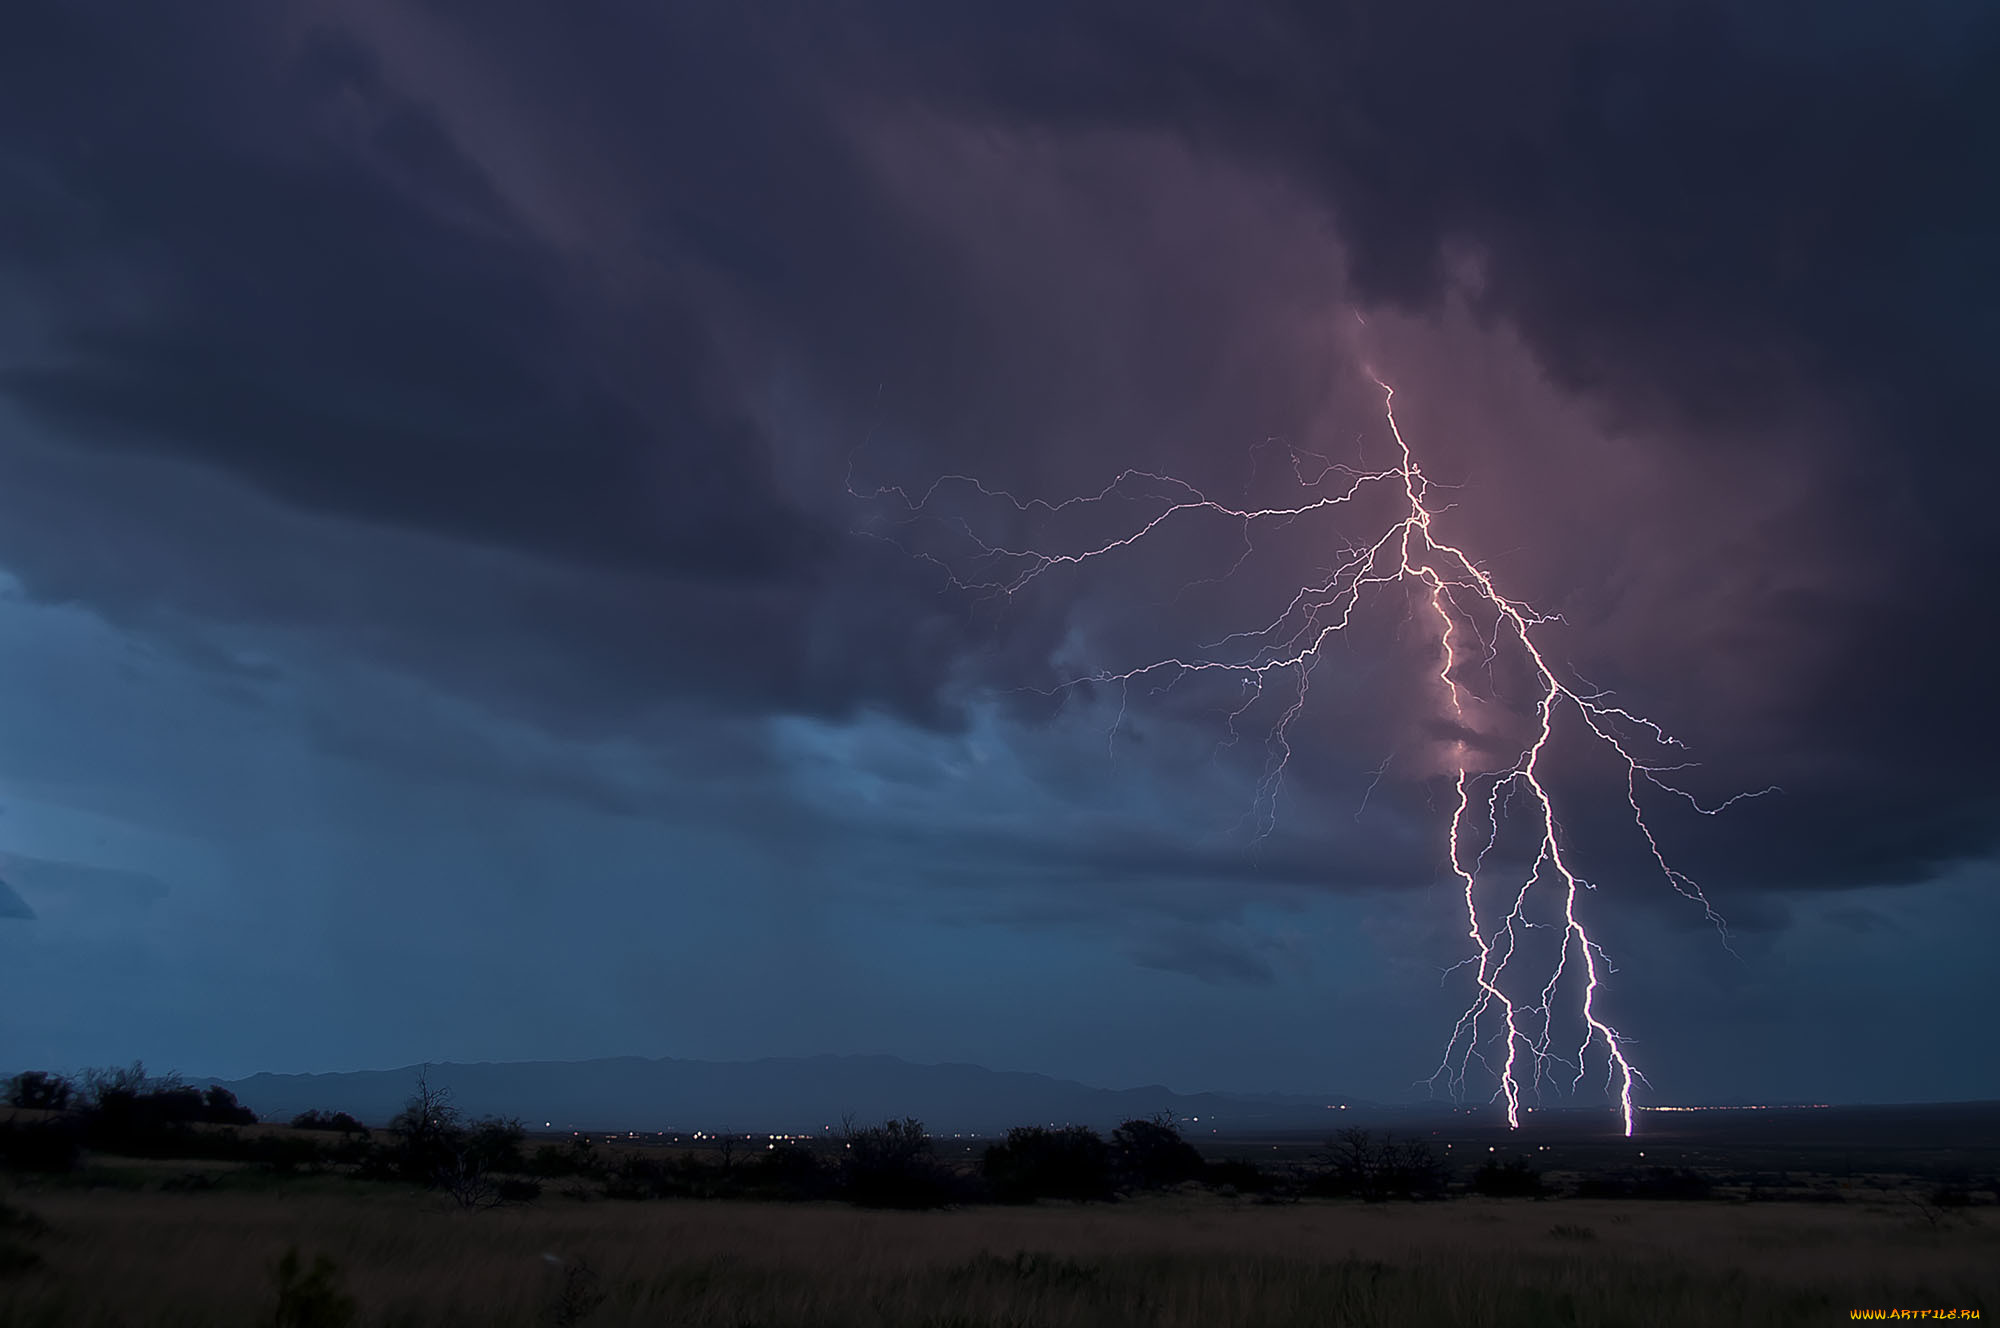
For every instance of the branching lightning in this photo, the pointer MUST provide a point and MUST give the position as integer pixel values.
(1510, 1027)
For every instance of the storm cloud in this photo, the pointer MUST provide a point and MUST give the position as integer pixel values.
(488, 414)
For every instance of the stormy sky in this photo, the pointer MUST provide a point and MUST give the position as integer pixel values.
(447, 610)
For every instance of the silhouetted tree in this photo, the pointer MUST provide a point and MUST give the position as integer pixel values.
(320, 1120)
(1037, 1163)
(123, 1081)
(428, 1134)
(891, 1165)
(1356, 1165)
(495, 1145)
(127, 1110)
(38, 1090)
(285, 1154)
(220, 1107)
(790, 1172)
(435, 1147)
(468, 1184)
(725, 1152)
(1150, 1154)
(577, 1158)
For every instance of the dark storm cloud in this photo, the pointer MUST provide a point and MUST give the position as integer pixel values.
(319, 332)
(240, 245)
(562, 330)
(1861, 920)
(1703, 208)
(1207, 957)
(1727, 219)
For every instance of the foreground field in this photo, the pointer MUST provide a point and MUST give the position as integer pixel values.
(149, 1258)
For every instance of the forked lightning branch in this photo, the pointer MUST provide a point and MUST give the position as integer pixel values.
(1521, 1026)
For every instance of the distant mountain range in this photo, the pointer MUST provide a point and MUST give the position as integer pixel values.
(794, 1094)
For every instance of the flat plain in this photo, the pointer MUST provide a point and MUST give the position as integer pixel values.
(1804, 1224)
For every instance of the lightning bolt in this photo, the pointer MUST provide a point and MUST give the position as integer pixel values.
(1509, 1029)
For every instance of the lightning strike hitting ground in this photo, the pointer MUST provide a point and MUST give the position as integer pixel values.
(1510, 1026)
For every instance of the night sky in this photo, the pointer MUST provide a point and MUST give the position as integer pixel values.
(444, 615)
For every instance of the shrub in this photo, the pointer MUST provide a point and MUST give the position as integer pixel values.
(321, 1120)
(891, 1165)
(791, 1172)
(130, 1080)
(1037, 1163)
(576, 1158)
(127, 1111)
(220, 1107)
(38, 1090)
(285, 1154)
(638, 1177)
(1150, 1154)
(1356, 1165)
(428, 1135)
(495, 1145)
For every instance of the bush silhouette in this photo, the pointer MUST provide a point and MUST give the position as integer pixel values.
(576, 1158)
(1357, 1166)
(1150, 1154)
(1036, 1163)
(428, 1135)
(637, 1177)
(125, 1110)
(285, 1154)
(790, 1172)
(891, 1165)
(220, 1107)
(38, 1090)
(494, 1144)
(320, 1120)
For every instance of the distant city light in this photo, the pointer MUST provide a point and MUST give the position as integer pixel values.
(1768, 1106)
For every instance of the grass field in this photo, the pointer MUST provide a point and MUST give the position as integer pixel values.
(131, 1254)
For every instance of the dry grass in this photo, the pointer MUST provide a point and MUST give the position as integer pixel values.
(140, 1258)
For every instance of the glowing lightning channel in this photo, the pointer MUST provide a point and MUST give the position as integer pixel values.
(1461, 595)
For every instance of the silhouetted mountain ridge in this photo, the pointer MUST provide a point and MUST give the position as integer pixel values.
(789, 1094)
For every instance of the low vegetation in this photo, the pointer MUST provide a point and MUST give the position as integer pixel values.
(337, 1254)
(134, 1199)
